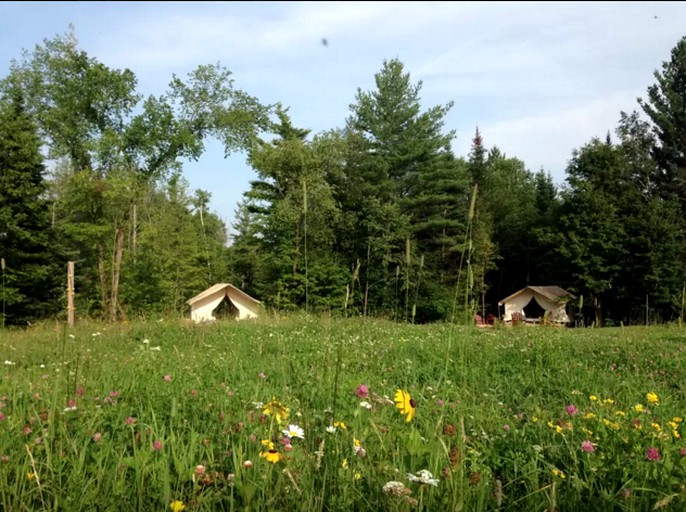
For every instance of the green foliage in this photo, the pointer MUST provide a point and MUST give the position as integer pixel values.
(31, 270)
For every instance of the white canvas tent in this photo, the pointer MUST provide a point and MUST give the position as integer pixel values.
(241, 304)
(535, 302)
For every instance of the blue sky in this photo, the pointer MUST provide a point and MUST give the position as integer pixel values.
(538, 78)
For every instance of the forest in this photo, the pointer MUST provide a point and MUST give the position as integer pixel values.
(375, 218)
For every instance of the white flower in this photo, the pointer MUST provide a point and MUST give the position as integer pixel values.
(331, 429)
(9, 363)
(365, 404)
(423, 476)
(158, 348)
(96, 334)
(258, 405)
(70, 409)
(146, 341)
(72, 336)
(294, 431)
(42, 366)
(395, 488)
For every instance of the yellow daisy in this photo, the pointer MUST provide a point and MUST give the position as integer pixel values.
(405, 404)
(271, 455)
(177, 506)
(276, 409)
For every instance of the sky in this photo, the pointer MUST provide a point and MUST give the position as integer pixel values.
(539, 79)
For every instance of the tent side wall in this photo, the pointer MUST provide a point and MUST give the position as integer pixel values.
(556, 310)
(246, 308)
(201, 311)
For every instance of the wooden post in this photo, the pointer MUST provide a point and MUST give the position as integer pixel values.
(70, 293)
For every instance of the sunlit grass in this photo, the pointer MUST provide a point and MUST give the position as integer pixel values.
(164, 415)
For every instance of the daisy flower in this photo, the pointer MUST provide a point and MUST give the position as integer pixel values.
(423, 476)
(294, 431)
(405, 404)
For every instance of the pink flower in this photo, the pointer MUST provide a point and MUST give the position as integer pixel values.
(167, 378)
(587, 446)
(26, 430)
(97, 437)
(157, 445)
(38, 440)
(130, 420)
(506, 427)
(571, 410)
(362, 391)
(71, 403)
(261, 375)
(4, 458)
(2, 417)
(247, 464)
(194, 392)
(36, 396)
(653, 454)
(285, 441)
(440, 402)
(288, 448)
(80, 391)
(682, 452)
(253, 438)
(114, 394)
(200, 470)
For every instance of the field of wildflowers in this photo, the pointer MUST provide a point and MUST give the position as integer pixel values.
(320, 414)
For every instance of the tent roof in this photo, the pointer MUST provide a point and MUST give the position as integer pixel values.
(218, 288)
(554, 293)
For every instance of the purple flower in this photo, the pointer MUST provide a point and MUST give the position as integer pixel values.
(587, 446)
(440, 402)
(571, 410)
(653, 454)
(362, 391)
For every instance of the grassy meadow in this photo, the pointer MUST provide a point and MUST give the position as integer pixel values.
(301, 414)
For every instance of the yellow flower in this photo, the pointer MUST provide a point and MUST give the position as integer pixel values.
(276, 409)
(608, 401)
(620, 413)
(339, 424)
(652, 398)
(358, 476)
(559, 473)
(271, 455)
(344, 465)
(677, 419)
(30, 476)
(405, 404)
(676, 434)
(673, 424)
(177, 506)
(656, 426)
(639, 408)
(357, 442)
(267, 443)
(589, 416)
(593, 398)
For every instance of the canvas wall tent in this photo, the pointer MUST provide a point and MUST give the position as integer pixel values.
(535, 302)
(241, 304)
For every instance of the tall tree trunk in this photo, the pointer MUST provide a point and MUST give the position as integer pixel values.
(134, 228)
(101, 276)
(297, 248)
(116, 268)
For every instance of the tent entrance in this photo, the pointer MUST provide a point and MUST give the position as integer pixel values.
(225, 309)
(533, 309)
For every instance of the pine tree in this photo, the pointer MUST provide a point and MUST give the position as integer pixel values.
(26, 239)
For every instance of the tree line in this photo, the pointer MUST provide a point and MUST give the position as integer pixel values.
(375, 218)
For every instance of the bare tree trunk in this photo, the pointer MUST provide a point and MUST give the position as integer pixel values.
(297, 248)
(598, 315)
(101, 276)
(116, 268)
(366, 280)
(134, 229)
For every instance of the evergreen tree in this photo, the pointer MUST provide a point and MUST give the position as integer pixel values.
(27, 244)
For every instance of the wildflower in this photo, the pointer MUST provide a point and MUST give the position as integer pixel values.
(423, 476)
(30, 475)
(405, 404)
(9, 363)
(344, 464)
(506, 427)
(682, 452)
(6, 458)
(157, 445)
(358, 476)
(2, 417)
(247, 464)
(588, 447)
(593, 398)
(559, 473)
(288, 447)
(589, 416)
(656, 427)
(358, 448)
(652, 398)
(620, 413)
(38, 440)
(340, 424)
(276, 409)
(608, 401)
(571, 410)
(653, 454)
(71, 408)
(200, 470)
(294, 431)
(177, 506)
(396, 488)
(261, 375)
(97, 437)
(146, 341)
(362, 391)
(677, 419)
(639, 408)
(271, 455)
(26, 430)
(130, 420)
(167, 378)
(331, 429)
(365, 405)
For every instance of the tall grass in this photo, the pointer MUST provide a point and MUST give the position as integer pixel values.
(90, 422)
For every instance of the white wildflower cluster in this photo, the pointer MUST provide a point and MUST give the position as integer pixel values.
(9, 363)
(396, 488)
(365, 405)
